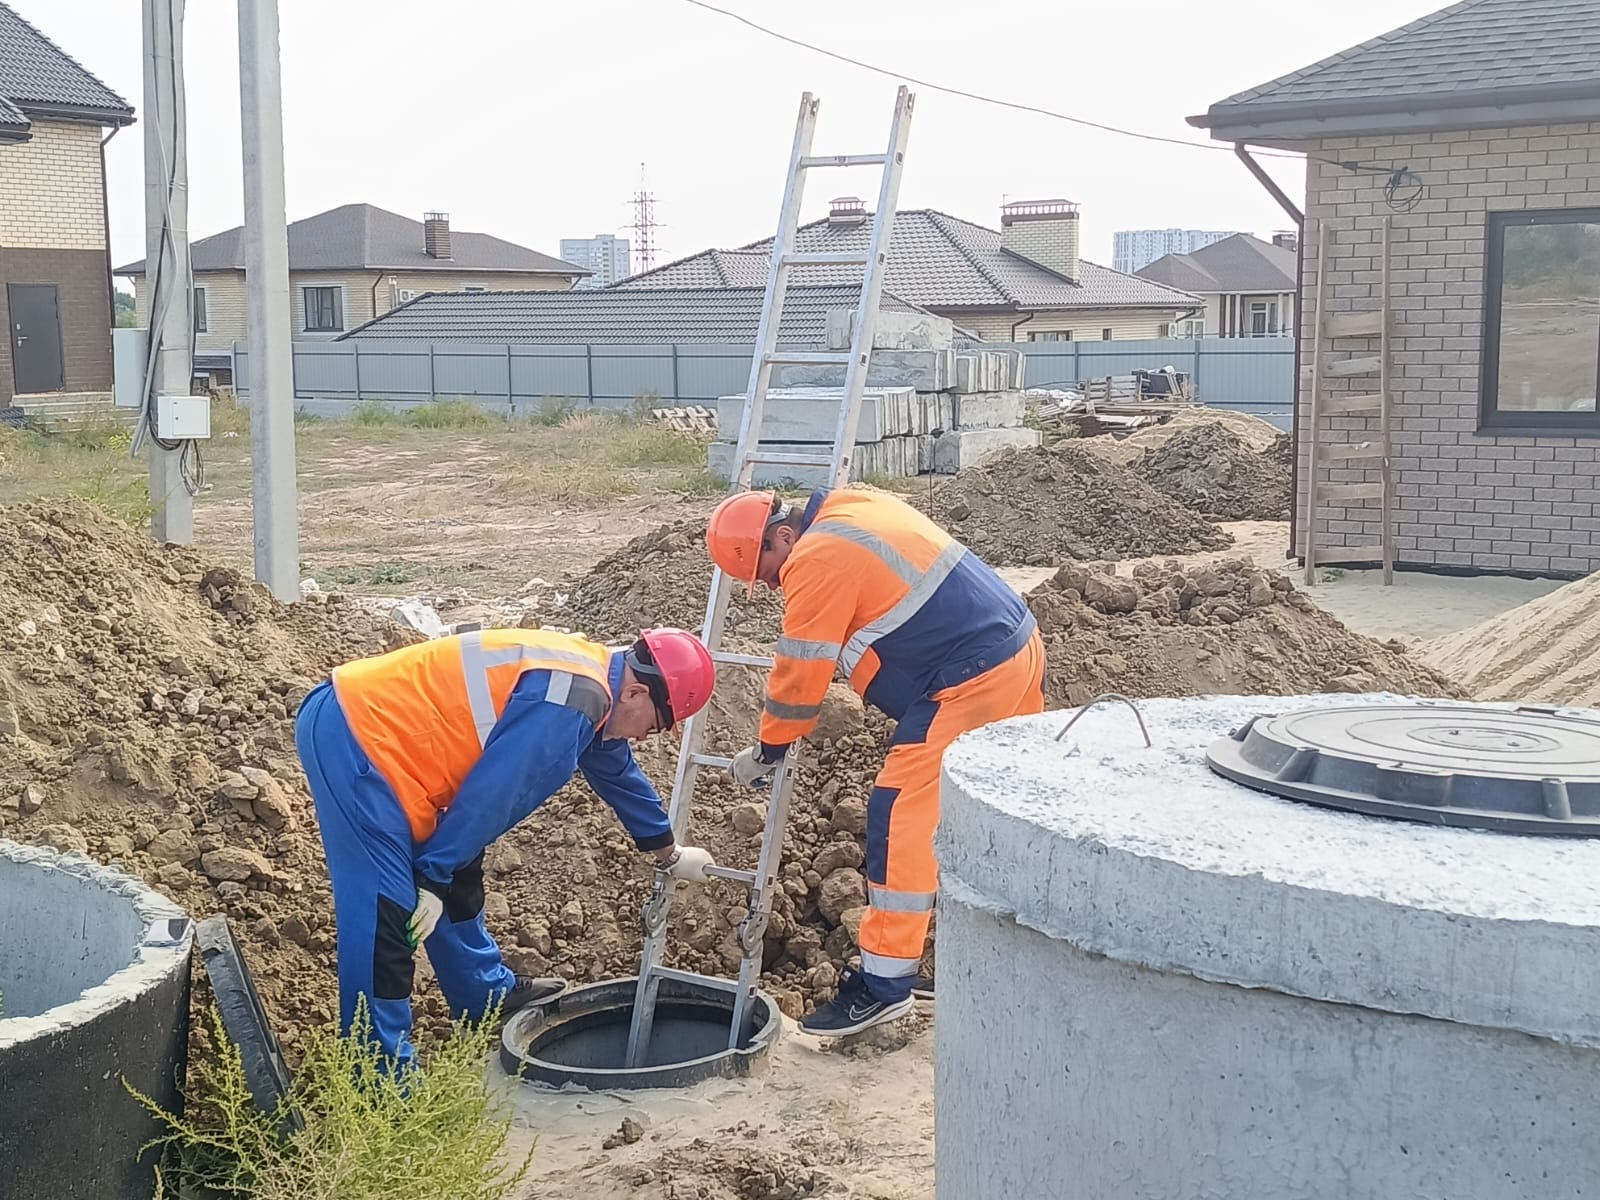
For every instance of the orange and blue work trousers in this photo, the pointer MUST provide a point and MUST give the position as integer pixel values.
(903, 812)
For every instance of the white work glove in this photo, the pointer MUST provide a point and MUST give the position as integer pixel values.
(748, 769)
(424, 917)
(690, 863)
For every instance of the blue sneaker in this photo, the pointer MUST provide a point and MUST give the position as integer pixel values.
(853, 1009)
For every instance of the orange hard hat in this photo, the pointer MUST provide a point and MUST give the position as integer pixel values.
(734, 533)
(684, 666)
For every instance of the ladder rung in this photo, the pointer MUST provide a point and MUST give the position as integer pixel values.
(785, 458)
(741, 660)
(1358, 450)
(844, 160)
(727, 985)
(1353, 324)
(1335, 405)
(1333, 493)
(843, 258)
(1369, 364)
(809, 358)
(732, 875)
(1373, 551)
(711, 760)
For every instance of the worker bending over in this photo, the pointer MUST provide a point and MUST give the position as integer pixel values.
(926, 633)
(420, 758)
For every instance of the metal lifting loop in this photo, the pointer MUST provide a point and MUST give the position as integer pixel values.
(1138, 716)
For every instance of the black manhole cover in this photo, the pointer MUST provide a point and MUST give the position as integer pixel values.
(1528, 770)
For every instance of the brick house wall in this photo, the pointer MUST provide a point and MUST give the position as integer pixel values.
(1464, 498)
(1087, 325)
(52, 231)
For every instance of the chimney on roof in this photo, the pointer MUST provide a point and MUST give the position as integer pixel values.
(847, 210)
(1042, 231)
(436, 234)
(1286, 241)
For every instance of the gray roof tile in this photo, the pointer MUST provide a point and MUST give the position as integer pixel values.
(610, 315)
(1474, 46)
(364, 237)
(1239, 263)
(935, 261)
(40, 79)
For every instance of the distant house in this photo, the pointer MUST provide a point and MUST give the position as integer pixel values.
(55, 262)
(348, 265)
(1248, 286)
(1475, 133)
(1025, 282)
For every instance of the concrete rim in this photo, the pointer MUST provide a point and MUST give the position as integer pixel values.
(1149, 858)
(163, 947)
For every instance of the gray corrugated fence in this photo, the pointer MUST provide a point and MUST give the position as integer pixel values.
(1248, 374)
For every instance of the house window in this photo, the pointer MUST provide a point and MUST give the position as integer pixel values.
(200, 322)
(1105, 335)
(1051, 335)
(1541, 351)
(324, 309)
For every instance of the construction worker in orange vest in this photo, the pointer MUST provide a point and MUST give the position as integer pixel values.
(420, 758)
(925, 632)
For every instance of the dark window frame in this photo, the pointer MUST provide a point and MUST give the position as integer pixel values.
(338, 307)
(202, 320)
(1491, 419)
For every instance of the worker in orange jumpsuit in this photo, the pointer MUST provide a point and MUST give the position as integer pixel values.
(925, 632)
(420, 758)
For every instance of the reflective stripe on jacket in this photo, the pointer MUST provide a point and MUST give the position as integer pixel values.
(899, 605)
(422, 713)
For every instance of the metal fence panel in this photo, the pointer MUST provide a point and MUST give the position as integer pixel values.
(707, 372)
(621, 374)
(540, 373)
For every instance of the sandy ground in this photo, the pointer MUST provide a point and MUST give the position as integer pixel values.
(856, 1115)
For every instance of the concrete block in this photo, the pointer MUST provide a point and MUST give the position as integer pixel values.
(893, 331)
(984, 371)
(923, 370)
(810, 415)
(989, 410)
(963, 448)
(895, 457)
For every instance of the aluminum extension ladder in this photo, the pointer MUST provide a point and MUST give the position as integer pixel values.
(763, 880)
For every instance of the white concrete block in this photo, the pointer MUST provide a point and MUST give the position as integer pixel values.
(895, 457)
(963, 448)
(893, 331)
(989, 410)
(924, 370)
(811, 414)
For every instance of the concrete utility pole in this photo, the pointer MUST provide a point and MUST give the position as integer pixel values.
(266, 240)
(166, 224)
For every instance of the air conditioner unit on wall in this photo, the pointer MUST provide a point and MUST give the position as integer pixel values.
(406, 295)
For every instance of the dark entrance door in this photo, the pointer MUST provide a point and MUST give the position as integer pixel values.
(36, 361)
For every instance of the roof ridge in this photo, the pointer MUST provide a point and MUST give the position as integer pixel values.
(49, 41)
(936, 219)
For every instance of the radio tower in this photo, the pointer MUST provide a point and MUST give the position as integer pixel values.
(644, 227)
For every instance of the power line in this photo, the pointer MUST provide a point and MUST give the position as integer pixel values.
(980, 98)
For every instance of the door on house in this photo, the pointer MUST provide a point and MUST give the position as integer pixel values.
(36, 361)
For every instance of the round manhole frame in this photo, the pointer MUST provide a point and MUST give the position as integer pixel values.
(617, 995)
(1267, 755)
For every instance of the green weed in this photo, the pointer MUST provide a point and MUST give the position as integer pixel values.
(451, 414)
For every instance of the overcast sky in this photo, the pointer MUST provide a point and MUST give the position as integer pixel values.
(529, 119)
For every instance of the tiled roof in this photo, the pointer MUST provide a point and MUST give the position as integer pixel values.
(1239, 263)
(709, 314)
(936, 261)
(1472, 47)
(37, 78)
(361, 236)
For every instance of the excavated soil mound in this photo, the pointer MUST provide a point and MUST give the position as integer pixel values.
(1258, 435)
(1047, 504)
(1546, 650)
(1226, 628)
(1209, 468)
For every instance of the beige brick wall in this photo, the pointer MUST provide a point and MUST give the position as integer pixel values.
(50, 189)
(1051, 243)
(458, 281)
(1086, 324)
(1464, 499)
(227, 316)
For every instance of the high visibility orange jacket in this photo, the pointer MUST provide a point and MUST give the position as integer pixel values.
(904, 609)
(473, 732)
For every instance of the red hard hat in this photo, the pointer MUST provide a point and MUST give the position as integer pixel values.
(685, 666)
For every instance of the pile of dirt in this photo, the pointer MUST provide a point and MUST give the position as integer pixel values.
(1258, 435)
(1209, 468)
(1544, 650)
(1049, 504)
(1228, 628)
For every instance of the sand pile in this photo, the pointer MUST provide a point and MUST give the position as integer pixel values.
(1048, 504)
(1547, 650)
(1258, 435)
(1223, 628)
(1209, 468)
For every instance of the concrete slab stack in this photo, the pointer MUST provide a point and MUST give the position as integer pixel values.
(927, 407)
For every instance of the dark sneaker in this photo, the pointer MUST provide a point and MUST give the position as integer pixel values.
(922, 989)
(852, 1010)
(528, 990)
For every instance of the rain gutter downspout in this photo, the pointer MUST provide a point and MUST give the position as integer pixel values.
(105, 221)
(1299, 219)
